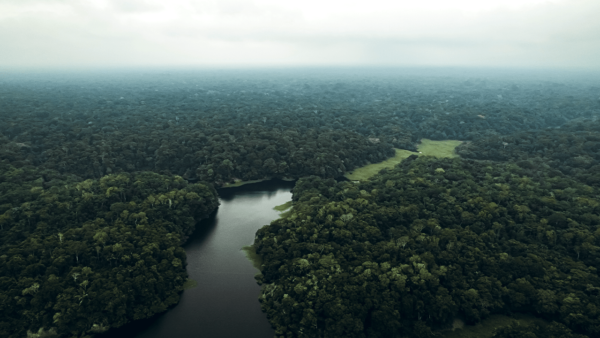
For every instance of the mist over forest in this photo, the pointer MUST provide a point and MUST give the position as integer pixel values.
(192, 114)
(105, 173)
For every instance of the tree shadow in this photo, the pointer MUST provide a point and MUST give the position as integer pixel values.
(270, 187)
(203, 230)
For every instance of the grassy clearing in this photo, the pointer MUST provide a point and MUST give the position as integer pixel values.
(438, 148)
(190, 284)
(370, 170)
(426, 147)
(486, 327)
(240, 183)
(252, 256)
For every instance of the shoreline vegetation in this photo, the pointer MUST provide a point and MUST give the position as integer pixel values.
(426, 147)
(285, 210)
(250, 251)
(190, 284)
(283, 207)
(254, 258)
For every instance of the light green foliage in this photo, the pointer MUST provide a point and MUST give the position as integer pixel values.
(252, 256)
(369, 170)
(41, 333)
(190, 284)
(440, 149)
(284, 207)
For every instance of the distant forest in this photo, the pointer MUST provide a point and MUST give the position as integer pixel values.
(217, 128)
(103, 177)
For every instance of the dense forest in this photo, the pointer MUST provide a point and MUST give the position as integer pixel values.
(573, 149)
(220, 126)
(411, 249)
(103, 177)
(82, 256)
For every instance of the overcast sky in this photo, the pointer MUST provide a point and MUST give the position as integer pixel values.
(499, 33)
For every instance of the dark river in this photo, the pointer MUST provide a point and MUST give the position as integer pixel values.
(225, 302)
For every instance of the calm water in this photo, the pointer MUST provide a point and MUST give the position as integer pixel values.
(225, 302)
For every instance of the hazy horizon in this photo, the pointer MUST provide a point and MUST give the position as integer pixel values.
(99, 34)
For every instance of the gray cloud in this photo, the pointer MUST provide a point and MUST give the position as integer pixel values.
(229, 32)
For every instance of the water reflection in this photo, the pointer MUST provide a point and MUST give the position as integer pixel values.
(225, 302)
(268, 189)
(203, 230)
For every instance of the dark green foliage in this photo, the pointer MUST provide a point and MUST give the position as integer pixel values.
(393, 257)
(82, 256)
(553, 330)
(251, 152)
(574, 150)
(219, 129)
(416, 247)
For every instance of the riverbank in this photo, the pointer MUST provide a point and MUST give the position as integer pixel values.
(254, 258)
(285, 209)
(239, 183)
(220, 297)
(250, 251)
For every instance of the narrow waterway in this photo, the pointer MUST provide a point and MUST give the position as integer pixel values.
(225, 302)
